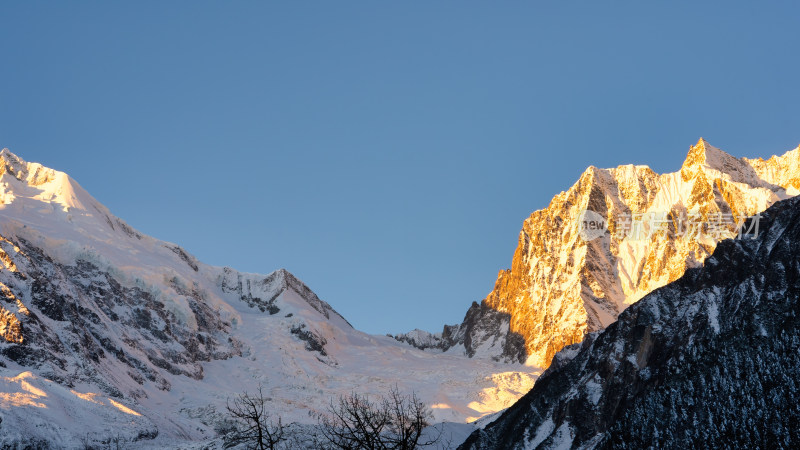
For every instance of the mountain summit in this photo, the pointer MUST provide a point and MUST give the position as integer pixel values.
(652, 228)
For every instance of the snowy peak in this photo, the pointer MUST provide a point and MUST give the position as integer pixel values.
(781, 170)
(287, 281)
(92, 309)
(264, 292)
(35, 187)
(704, 154)
(566, 281)
(32, 174)
(704, 157)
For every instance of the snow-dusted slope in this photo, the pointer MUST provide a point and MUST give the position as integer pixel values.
(566, 281)
(107, 333)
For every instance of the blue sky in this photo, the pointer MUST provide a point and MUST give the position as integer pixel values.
(384, 152)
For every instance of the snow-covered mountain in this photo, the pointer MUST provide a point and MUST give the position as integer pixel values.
(711, 360)
(567, 280)
(106, 333)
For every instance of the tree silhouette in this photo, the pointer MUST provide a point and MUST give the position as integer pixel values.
(253, 423)
(395, 421)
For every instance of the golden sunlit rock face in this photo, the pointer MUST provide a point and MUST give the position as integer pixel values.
(563, 284)
(32, 174)
(10, 327)
(10, 305)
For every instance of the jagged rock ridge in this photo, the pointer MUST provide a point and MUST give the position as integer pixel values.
(562, 285)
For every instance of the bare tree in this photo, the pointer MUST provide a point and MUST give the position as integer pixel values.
(253, 424)
(395, 421)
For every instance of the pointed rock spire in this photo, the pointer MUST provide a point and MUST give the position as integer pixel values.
(704, 156)
(699, 154)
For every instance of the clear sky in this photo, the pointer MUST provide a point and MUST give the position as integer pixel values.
(384, 152)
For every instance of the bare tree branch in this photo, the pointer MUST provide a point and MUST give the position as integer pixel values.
(253, 424)
(395, 421)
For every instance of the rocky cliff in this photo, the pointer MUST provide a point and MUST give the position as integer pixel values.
(614, 236)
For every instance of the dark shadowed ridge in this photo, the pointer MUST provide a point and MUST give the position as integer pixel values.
(712, 359)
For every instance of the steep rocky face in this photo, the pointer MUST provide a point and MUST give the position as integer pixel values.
(614, 236)
(484, 333)
(80, 323)
(711, 360)
(77, 323)
(251, 291)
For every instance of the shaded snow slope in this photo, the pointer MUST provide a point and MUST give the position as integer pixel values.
(94, 314)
